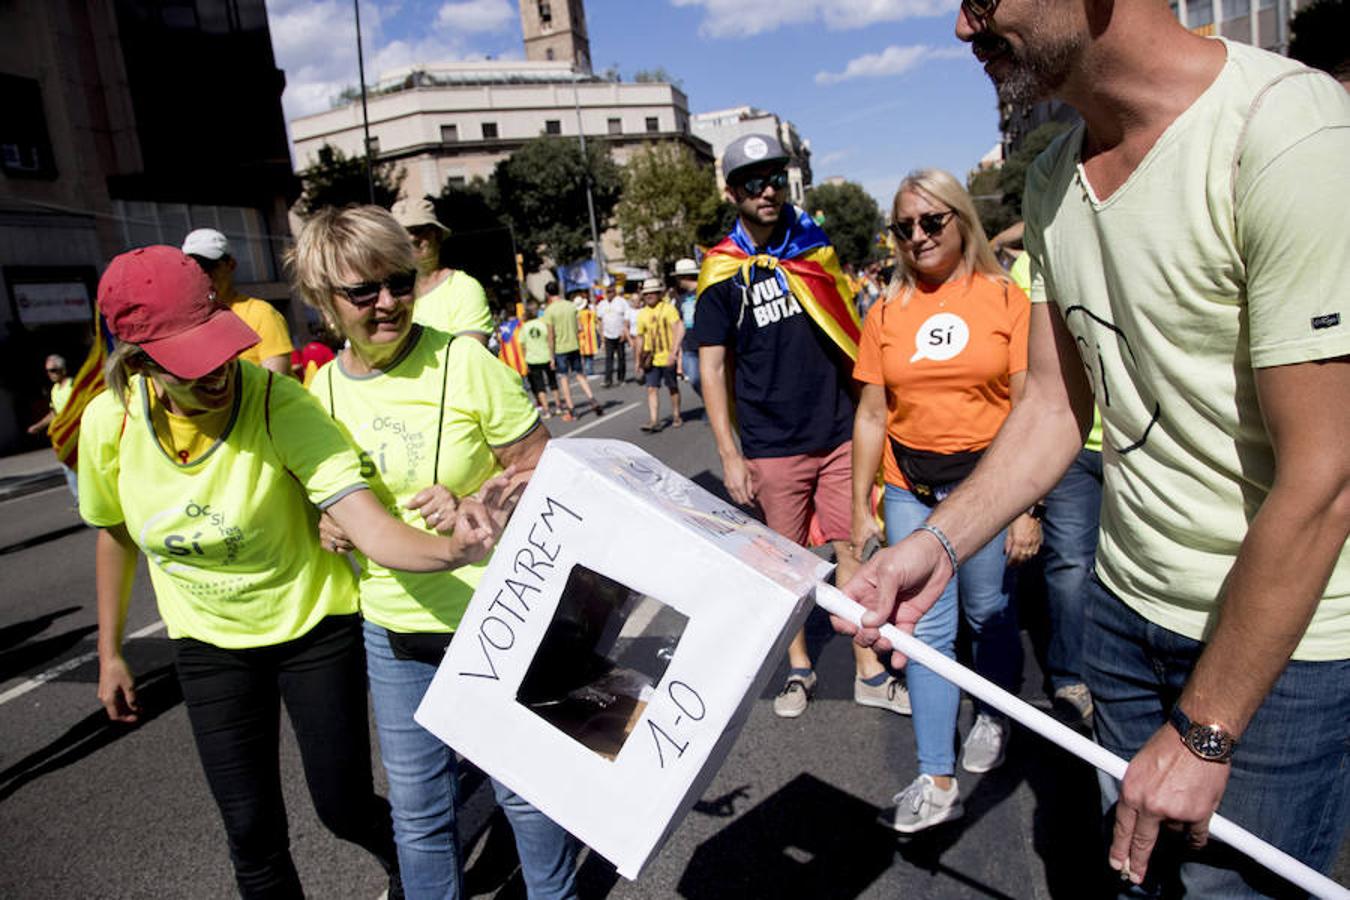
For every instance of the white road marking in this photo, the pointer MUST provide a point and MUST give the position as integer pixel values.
(600, 421)
(69, 665)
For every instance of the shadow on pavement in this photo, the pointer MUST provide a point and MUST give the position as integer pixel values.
(12, 635)
(808, 839)
(30, 656)
(39, 539)
(157, 691)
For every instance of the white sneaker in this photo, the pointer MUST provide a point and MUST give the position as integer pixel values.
(796, 693)
(922, 805)
(891, 694)
(986, 745)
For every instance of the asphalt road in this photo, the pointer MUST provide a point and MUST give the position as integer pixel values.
(89, 809)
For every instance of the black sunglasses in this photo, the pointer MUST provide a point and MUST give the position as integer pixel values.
(931, 223)
(54, 371)
(980, 10)
(756, 185)
(400, 284)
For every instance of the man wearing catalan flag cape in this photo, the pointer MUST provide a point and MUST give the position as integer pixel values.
(777, 333)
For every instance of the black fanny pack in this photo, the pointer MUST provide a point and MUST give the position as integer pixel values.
(426, 647)
(927, 471)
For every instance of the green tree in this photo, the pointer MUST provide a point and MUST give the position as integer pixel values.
(670, 203)
(659, 75)
(480, 240)
(337, 180)
(1317, 36)
(852, 219)
(985, 190)
(1012, 180)
(541, 191)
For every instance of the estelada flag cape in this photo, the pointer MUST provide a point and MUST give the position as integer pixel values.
(511, 352)
(804, 263)
(64, 429)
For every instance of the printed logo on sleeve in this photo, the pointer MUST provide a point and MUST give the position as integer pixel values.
(1331, 320)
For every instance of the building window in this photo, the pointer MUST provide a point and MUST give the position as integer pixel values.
(449, 134)
(616, 126)
(456, 181)
(1199, 13)
(143, 223)
(545, 14)
(373, 146)
(552, 126)
(653, 123)
(489, 131)
(25, 147)
(549, 54)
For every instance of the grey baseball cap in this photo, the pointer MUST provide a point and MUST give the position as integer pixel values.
(751, 150)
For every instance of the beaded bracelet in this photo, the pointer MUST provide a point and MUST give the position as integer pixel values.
(942, 539)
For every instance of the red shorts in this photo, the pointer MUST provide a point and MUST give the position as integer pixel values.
(790, 488)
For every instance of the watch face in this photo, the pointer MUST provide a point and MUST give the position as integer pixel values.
(1209, 742)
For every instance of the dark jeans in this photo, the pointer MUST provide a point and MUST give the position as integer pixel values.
(1072, 522)
(615, 347)
(1290, 784)
(233, 700)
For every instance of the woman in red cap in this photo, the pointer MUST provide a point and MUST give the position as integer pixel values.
(217, 471)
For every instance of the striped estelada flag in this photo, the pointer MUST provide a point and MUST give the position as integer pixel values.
(511, 353)
(64, 429)
(804, 263)
(586, 330)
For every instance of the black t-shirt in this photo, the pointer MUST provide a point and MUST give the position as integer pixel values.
(791, 380)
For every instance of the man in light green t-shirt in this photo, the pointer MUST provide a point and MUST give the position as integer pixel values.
(536, 339)
(449, 300)
(561, 315)
(1186, 247)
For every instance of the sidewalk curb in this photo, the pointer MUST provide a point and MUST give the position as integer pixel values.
(22, 485)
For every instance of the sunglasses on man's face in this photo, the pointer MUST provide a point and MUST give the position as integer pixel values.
(980, 10)
(400, 284)
(931, 223)
(756, 185)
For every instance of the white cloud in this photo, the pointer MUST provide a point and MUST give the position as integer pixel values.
(744, 18)
(890, 62)
(476, 15)
(829, 159)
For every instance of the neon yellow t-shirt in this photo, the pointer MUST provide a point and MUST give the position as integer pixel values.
(61, 392)
(232, 537)
(534, 338)
(392, 416)
(1218, 256)
(270, 325)
(562, 315)
(656, 327)
(458, 305)
(1020, 273)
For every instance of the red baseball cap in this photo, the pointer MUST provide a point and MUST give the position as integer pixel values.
(161, 300)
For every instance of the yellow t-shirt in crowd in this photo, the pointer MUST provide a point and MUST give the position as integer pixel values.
(1217, 257)
(61, 392)
(270, 325)
(656, 327)
(458, 305)
(232, 537)
(392, 416)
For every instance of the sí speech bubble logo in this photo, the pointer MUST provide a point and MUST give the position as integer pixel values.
(941, 337)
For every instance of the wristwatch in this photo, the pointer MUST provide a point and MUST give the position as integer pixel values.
(1212, 743)
(1037, 511)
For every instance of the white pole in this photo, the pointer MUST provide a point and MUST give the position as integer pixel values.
(837, 603)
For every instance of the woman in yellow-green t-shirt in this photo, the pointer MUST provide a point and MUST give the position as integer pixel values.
(214, 468)
(435, 417)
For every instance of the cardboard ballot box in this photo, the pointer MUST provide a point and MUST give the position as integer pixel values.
(622, 631)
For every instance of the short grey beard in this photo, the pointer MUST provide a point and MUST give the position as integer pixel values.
(1039, 77)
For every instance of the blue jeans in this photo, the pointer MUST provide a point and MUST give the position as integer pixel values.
(690, 360)
(983, 586)
(1290, 783)
(1069, 541)
(422, 782)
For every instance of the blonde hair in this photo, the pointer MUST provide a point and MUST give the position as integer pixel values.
(977, 257)
(361, 239)
(124, 361)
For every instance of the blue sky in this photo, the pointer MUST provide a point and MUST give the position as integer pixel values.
(879, 87)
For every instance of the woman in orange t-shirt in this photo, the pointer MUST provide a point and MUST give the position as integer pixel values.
(942, 360)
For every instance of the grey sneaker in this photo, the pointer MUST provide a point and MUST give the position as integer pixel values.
(891, 694)
(796, 693)
(1074, 703)
(986, 744)
(922, 805)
